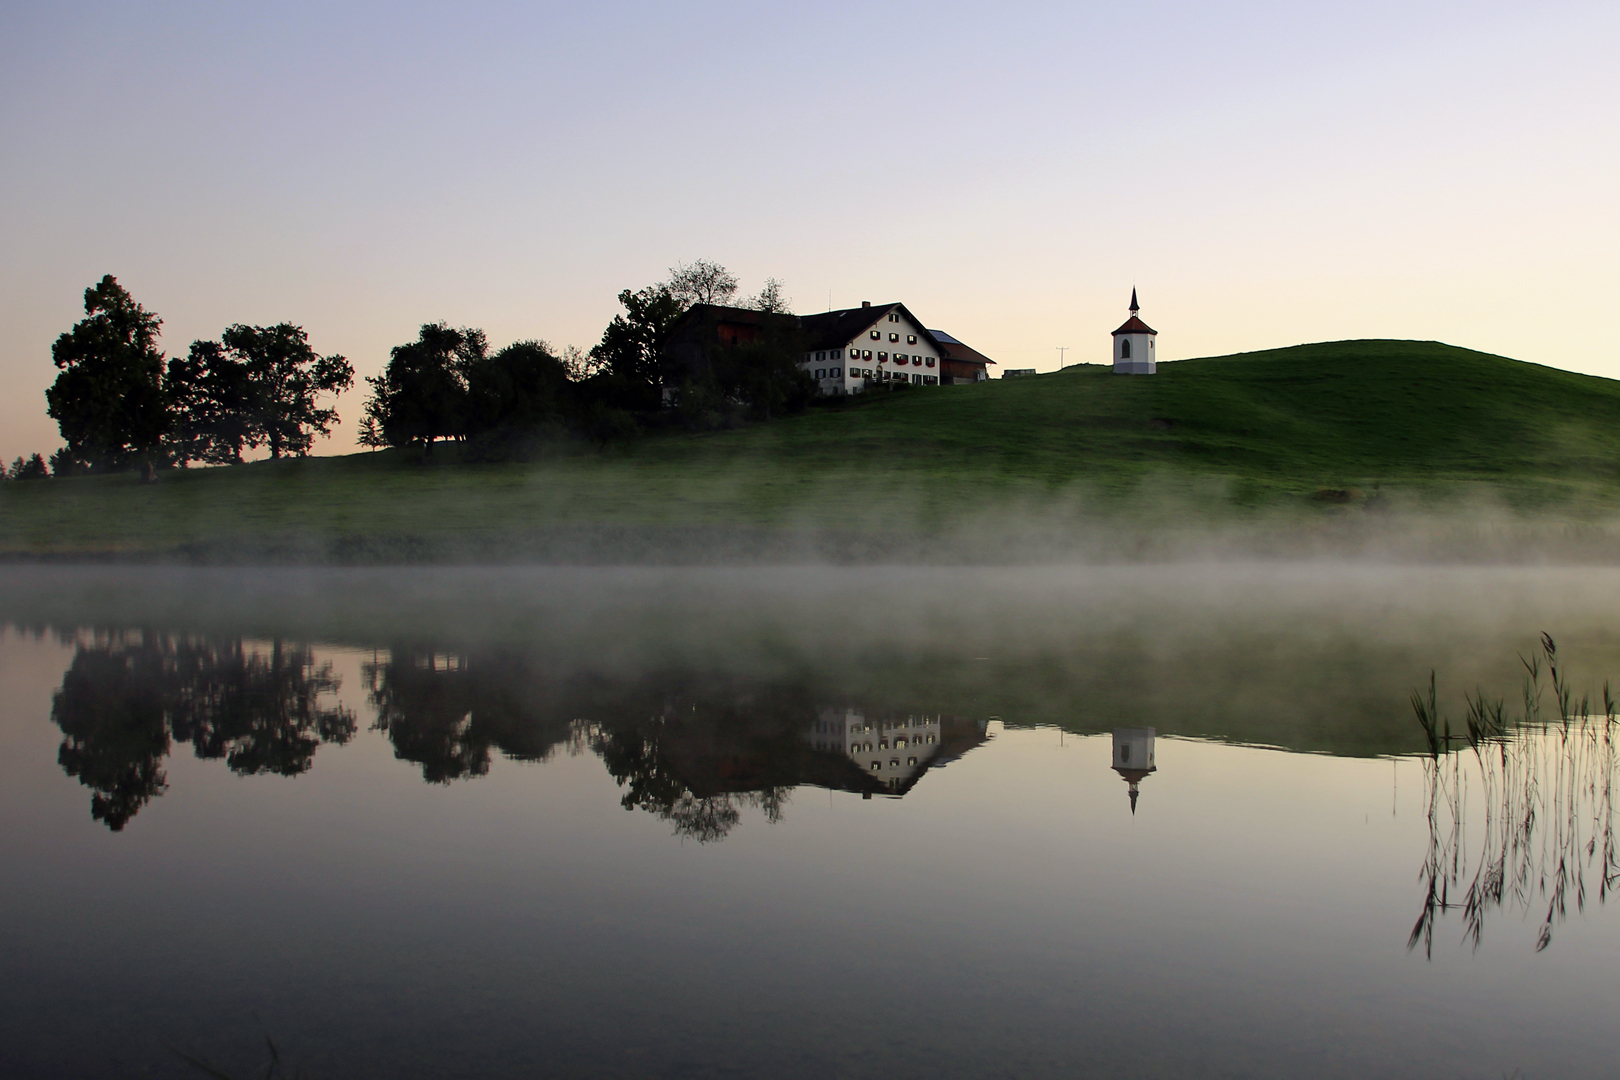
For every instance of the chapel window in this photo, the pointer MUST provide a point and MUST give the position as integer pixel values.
(1124, 348)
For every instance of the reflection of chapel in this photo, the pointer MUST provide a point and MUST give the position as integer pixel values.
(1133, 757)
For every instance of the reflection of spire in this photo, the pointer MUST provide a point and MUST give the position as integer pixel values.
(1133, 757)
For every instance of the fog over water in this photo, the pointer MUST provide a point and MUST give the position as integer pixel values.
(807, 821)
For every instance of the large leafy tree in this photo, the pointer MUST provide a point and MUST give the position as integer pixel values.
(421, 395)
(521, 388)
(108, 400)
(210, 394)
(285, 380)
(626, 359)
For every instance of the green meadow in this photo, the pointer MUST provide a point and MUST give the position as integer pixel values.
(1299, 435)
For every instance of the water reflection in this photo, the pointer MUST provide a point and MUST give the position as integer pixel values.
(1133, 757)
(127, 695)
(694, 750)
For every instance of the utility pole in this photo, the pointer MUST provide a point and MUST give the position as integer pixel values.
(1061, 350)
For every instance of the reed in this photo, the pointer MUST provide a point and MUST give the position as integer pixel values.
(1538, 792)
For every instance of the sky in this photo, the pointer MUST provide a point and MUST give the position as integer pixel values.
(1265, 173)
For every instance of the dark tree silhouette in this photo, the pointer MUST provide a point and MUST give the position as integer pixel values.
(126, 697)
(522, 388)
(108, 400)
(421, 396)
(261, 714)
(32, 468)
(209, 391)
(111, 712)
(285, 380)
(626, 359)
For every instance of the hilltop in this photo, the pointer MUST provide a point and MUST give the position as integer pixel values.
(1303, 431)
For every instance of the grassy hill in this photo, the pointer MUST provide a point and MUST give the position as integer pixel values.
(1299, 430)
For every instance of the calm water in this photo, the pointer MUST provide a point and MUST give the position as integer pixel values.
(803, 823)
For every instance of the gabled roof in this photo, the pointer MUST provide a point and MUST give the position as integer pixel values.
(951, 349)
(835, 329)
(1133, 325)
(720, 313)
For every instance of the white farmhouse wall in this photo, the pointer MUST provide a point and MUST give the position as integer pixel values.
(921, 363)
(891, 751)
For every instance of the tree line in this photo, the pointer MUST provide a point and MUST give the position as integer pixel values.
(120, 404)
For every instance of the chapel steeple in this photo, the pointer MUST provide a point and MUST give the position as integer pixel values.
(1134, 345)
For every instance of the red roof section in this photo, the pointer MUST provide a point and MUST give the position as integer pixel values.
(1133, 325)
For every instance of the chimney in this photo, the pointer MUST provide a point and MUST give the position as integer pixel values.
(866, 303)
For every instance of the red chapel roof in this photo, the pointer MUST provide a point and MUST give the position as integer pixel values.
(1133, 325)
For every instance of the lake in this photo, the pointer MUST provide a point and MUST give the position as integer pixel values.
(1133, 821)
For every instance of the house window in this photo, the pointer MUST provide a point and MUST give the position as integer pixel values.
(876, 765)
(821, 373)
(929, 361)
(877, 335)
(894, 337)
(821, 355)
(917, 379)
(838, 373)
(930, 380)
(1125, 348)
(894, 317)
(838, 354)
(911, 339)
(867, 355)
(883, 358)
(899, 357)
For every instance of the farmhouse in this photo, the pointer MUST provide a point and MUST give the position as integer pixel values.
(844, 351)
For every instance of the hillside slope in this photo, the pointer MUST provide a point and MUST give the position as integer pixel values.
(1267, 429)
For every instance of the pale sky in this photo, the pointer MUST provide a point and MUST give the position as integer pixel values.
(1265, 173)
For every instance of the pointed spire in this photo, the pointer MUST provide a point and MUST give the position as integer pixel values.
(1133, 798)
(1135, 307)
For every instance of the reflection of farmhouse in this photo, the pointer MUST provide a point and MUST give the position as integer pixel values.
(845, 351)
(890, 755)
(1133, 757)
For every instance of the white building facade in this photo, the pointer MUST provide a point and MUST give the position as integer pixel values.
(858, 347)
(1135, 345)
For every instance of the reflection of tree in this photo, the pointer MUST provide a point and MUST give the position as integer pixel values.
(261, 714)
(447, 712)
(124, 698)
(110, 710)
(1545, 784)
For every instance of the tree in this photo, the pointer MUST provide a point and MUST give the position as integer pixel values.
(284, 379)
(32, 468)
(703, 282)
(521, 389)
(421, 395)
(210, 394)
(626, 359)
(108, 400)
(770, 298)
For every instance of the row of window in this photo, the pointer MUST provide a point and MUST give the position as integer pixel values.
(883, 357)
(824, 354)
(890, 725)
(885, 375)
(899, 743)
(894, 763)
(877, 335)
